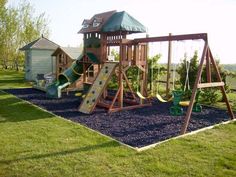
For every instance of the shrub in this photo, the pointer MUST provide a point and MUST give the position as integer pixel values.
(209, 95)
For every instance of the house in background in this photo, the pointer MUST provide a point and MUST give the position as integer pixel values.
(63, 58)
(38, 59)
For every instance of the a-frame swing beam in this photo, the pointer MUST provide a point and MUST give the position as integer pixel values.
(202, 36)
(206, 55)
(198, 78)
(221, 87)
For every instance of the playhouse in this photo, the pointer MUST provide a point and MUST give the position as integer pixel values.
(38, 58)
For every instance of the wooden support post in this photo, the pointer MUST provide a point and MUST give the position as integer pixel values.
(136, 54)
(168, 67)
(84, 73)
(142, 86)
(120, 98)
(128, 84)
(198, 78)
(129, 107)
(146, 70)
(108, 50)
(222, 87)
(114, 99)
(208, 67)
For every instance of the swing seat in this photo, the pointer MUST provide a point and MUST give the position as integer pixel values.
(184, 103)
(158, 96)
(78, 94)
(141, 96)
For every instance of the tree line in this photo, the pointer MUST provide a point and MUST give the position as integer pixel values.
(18, 26)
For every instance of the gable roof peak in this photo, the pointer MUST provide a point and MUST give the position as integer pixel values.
(40, 43)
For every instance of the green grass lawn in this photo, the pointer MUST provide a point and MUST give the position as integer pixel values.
(12, 79)
(36, 143)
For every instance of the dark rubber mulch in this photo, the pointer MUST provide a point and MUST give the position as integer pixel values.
(137, 128)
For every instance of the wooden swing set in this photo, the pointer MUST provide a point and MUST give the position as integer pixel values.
(134, 53)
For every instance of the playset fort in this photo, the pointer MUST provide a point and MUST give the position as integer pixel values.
(109, 29)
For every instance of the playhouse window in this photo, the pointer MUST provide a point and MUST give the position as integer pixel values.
(60, 58)
(85, 25)
(96, 22)
(91, 72)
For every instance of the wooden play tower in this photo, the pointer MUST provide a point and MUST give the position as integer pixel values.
(101, 32)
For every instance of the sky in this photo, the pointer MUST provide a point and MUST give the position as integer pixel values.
(161, 17)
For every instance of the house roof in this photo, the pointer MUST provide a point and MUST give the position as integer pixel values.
(40, 43)
(122, 21)
(72, 52)
(100, 18)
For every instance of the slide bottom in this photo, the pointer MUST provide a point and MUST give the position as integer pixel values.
(54, 90)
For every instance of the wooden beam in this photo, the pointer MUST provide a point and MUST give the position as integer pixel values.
(222, 87)
(103, 105)
(114, 99)
(202, 36)
(120, 81)
(128, 84)
(129, 101)
(129, 107)
(198, 78)
(208, 67)
(168, 67)
(141, 68)
(212, 84)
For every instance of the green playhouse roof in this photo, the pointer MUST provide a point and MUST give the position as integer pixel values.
(122, 21)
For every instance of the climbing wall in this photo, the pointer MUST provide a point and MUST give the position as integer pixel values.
(97, 88)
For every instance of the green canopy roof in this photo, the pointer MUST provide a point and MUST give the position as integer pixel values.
(122, 21)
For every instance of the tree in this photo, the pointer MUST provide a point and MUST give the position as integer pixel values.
(154, 70)
(115, 54)
(19, 26)
(8, 32)
(3, 12)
